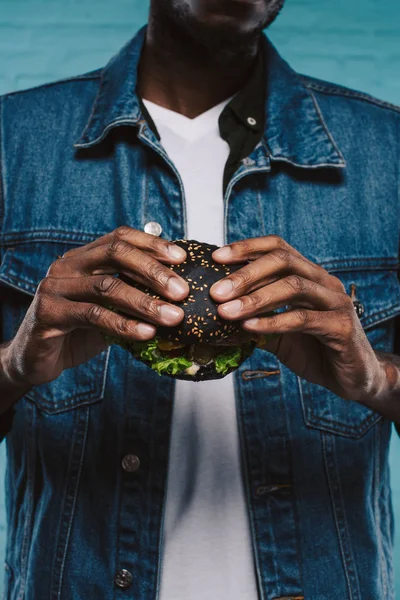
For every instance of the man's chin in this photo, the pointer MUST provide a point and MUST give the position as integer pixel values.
(225, 37)
(219, 29)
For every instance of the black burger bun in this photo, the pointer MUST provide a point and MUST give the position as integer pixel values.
(201, 322)
(202, 329)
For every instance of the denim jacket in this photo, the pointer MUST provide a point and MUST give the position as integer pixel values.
(85, 517)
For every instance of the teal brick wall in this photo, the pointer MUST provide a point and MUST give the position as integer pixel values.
(351, 42)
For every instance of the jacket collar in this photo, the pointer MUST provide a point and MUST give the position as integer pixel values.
(295, 130)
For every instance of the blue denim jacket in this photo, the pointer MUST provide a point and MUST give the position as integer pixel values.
(78, 160)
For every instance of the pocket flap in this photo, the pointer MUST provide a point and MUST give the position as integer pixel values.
(377, 290)
(24, 266)
(379, 293)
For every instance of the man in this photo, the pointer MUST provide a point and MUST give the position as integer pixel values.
(272, 483)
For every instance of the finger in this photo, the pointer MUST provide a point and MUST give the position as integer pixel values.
(325, 325)
(160, 249)
(289, 290)
(109, 291)
(120, 256)
(267, 269)
(253, 248)
(64, 316)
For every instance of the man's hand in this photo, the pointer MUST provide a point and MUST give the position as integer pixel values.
(320, 338)
(65, 323)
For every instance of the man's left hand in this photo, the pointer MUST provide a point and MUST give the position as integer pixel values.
(320, 338)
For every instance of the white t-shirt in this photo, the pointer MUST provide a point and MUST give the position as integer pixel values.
(207, 551)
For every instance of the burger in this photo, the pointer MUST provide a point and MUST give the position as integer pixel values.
(203, 345)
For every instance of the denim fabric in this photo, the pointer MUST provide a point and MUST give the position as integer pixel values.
(78, 160)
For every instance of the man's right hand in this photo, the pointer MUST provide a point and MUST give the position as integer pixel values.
(65, 322)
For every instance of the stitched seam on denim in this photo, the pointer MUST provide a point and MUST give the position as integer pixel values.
(30, 420)
(20, 277)
(392, 312)
(70, 236)
(51, 83)
(260, 208)
(121, 491)
(347, 92)
(277, 157)
(105, 370)
(94, 105)
(79, 399)
(145, 191)
(330, 136)
(26, 287)
(69, 501)
(243, 452)
(361, 264)
(376, 491)
(349, 428)
(308, 414)
(387, 538)
(324, 439)
(78, 478)
(165, 156)
(15, 287)
(229, 188)
(292, 490)
(115, 123)
(61, 513)
(8, 579)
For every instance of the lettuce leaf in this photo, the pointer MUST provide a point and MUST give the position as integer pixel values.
(224, 361)
(148, 350)
(171, 365)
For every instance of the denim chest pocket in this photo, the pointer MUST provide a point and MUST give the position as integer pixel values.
(21, 270)
(379, 293)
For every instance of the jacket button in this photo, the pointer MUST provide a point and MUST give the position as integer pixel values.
(130, 463)
(123, 579)
(153, 228)
(247, 161)
(359, 308)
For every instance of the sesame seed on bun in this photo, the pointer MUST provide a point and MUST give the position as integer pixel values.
(203, 345)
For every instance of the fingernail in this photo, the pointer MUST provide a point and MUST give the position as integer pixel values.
(223, 288)
(176, 286)
(232, 308)
(170, 313)
(145, 329)
(251, 322)
(176, 252)
(223, 252)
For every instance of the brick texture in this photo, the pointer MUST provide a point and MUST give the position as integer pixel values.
(355, 43)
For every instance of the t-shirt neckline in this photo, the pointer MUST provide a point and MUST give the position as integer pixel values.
(184, 126)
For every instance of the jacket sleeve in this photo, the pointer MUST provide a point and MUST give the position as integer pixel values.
(6, 418)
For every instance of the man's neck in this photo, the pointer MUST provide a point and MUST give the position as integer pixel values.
(175, 74)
